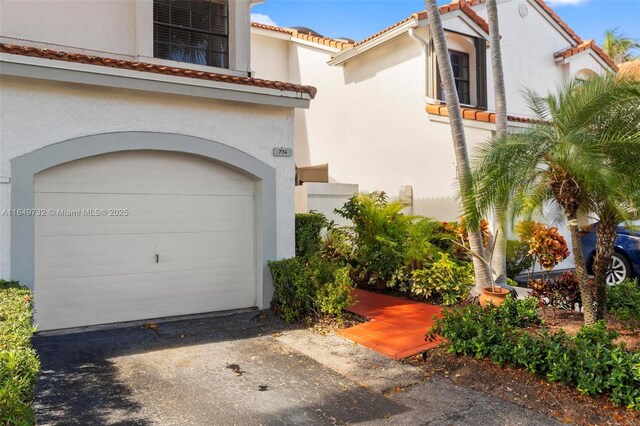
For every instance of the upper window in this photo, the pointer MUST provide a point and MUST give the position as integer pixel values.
(460, 65)
(194, 31)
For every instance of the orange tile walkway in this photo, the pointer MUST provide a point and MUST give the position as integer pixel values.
(396, 327)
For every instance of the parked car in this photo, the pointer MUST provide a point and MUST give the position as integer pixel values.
(625, 262)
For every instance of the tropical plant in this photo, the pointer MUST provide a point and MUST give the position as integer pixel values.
(619, 47)
(518, 258)
(622, 122)
(426, 239)
(565, 160)
(444, 279)
(463, 168)
(561, 292)
(379, 235)
(547, 246)
(499, 257)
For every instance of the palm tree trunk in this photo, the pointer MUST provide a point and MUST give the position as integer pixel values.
(482, 272)
(581, 273)
(606, 234)
(499, 258)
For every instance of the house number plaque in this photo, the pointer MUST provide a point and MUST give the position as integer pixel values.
(282, 152)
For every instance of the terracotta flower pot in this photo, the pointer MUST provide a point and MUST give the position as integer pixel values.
(495, 295)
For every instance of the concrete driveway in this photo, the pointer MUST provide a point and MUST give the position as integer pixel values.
(246, 368)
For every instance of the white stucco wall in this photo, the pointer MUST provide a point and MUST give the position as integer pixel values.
(528, 45)
(117, 28)
(37, 113)
(368, 120)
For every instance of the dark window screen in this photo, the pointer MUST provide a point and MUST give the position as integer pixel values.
(194, 31)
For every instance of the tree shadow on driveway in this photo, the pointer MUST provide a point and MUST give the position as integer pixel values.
(211, 370)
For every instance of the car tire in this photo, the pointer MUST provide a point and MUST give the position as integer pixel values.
(620, 269)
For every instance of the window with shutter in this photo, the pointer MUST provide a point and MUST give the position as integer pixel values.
(193, 31)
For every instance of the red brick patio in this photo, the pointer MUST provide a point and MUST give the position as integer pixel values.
(396, 327)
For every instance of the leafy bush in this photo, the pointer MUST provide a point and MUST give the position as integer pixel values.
(426, 240)
(590, 360)
(518, 258)
(379, 235)
(546, 244)
(444, 279)
(561, 292)
(308, 233)
(306, 287)
(623, 302)
(19, 364)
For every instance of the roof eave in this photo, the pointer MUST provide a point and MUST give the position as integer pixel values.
(349, 54)
(81, 73)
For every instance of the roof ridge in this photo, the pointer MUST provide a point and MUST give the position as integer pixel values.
(581, 47)
(461, 5)
(59, 55)
(325, 41)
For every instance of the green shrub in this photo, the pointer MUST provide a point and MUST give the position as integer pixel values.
(426, 240)
(444, 279)
(309, 228)
(590, 360)
(306, 287)
(379, 235)
(19, 364)
(623, 302)
(518, 258)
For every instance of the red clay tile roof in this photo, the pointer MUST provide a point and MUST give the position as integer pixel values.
(154, 68)
(477, 114)
(326, 41)
(585, 45)
(462, 5)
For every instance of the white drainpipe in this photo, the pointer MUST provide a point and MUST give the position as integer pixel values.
(427, 47)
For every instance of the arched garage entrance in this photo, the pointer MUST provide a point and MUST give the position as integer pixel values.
(143, 232)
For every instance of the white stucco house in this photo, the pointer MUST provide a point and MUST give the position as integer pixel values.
(379, 120)
(144, 171)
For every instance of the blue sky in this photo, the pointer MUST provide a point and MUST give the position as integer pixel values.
(358, 19)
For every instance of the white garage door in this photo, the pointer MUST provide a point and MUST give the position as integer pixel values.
(142, 234)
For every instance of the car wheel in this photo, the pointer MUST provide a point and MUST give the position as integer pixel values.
(620, 269)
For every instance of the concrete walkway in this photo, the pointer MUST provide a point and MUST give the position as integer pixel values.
(397, 326)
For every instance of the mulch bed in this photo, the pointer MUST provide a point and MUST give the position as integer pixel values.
(324, 325)
(523, 388)
(572, 321)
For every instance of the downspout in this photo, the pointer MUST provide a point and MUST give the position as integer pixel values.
(427, 48)
(248, 46)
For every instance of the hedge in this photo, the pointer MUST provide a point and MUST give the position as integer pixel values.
(308, 233)
(19, 364)
(589, 360)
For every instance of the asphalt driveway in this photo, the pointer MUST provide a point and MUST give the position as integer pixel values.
(244, 369)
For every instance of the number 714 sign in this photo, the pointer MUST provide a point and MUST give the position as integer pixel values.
(282, 152)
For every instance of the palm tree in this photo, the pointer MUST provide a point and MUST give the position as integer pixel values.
(564, 160)
(621, 204)
(482, 272)
(499, 258)
(618, 46)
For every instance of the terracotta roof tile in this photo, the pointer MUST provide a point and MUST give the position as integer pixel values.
(463, 5)
(154, 68)
(476, 114)
(326, 41)
(586, 45)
